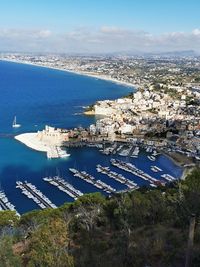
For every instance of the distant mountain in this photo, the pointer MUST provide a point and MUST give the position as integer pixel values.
(131, 53)
(135, 53)
(182, 53)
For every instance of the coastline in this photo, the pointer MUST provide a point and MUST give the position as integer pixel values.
(186, 172)
(181, 162)
(82, 73)
(89, 113)
(30, 140)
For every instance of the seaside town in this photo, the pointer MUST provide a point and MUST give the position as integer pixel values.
(163, 112)
(100, 133)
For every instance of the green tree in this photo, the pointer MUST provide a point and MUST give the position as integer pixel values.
(7, 257)
(49, 246)
(8, 218)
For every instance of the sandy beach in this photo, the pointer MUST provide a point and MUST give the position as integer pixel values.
(93, 75)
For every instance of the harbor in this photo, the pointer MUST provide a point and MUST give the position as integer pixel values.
(91, 180)
(129, 167)
(18, 160)
(117, 177)
(64, 186)
(102, 175)
(5, 204)
(36, 195)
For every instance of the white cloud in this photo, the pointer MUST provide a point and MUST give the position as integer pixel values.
(44, 33)
(104, 39)
(111, 30)
(196, 31)
(21, 33)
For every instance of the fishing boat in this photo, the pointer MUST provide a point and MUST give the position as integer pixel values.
(15, 124)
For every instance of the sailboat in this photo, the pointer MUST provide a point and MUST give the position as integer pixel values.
(15, 124)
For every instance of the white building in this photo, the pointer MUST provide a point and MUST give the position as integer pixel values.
(52, 136)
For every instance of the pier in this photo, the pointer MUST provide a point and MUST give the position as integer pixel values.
(115, 148)
(125, 151)
(131, 151)
(64, 186)
(32, 192)
(91, 180)
(5, 204)
(52, 153)
(137, 172)
(117, 177)
(168, 177)
(155, 169)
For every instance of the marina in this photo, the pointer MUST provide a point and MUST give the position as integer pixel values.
(18, 160)
(117, 177)
(110, 149)
(149, 149)
(5, 204)
(91, 180)
(36, 195)
(125, 152)
(129, 167)
(135, 152)
(64, 186)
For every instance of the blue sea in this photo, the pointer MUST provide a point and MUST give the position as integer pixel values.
(40, 96)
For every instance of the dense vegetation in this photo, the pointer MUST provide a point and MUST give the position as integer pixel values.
(140, 228)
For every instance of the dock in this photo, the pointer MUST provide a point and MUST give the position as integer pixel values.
(5, 204)
(33, 193)
(117, 177)
(64, 186)
(154, 168)
(137, 172)
(91, 180)
(115, 148)
(54, 152)
(168, 177)
(125, 151)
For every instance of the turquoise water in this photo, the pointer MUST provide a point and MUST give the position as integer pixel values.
(40, 96)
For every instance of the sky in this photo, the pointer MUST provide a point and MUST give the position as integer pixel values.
(99, 26)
